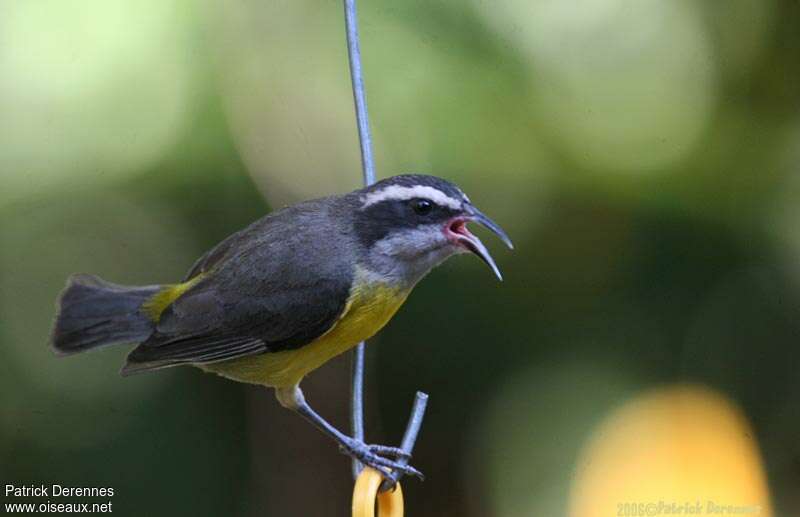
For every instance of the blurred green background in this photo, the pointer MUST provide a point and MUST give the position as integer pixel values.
(643, 155)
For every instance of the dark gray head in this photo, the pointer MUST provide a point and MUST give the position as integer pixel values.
(410, 223)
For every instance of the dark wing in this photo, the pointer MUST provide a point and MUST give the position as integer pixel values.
(277, 285)
(216, 254)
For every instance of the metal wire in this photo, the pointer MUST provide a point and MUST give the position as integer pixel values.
(362, 116)
(368, 166)
(409, 437)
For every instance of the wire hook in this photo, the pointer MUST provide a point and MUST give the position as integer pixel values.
(368, 166)
(369, 483)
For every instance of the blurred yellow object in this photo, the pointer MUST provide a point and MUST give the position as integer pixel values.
(677, 450)
(365, 493)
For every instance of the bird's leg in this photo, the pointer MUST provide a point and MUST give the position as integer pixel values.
(371, 455)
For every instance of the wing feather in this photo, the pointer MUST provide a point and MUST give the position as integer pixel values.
(195, 350)
(276, 285)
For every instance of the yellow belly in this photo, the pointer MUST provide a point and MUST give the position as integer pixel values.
(368, 309)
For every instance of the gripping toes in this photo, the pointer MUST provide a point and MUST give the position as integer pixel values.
(374, 456)
(373, 460)
(385, 450)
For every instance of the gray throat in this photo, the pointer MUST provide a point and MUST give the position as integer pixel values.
(400, 271)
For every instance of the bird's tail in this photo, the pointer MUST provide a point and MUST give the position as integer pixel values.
(93, 313)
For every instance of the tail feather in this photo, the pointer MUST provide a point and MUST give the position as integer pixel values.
(94, 313)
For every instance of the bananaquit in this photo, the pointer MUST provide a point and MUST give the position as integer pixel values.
(276, 300)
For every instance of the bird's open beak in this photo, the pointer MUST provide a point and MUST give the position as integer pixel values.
(469, 241)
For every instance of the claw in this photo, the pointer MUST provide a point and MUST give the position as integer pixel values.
(408, 470)
(373, 456)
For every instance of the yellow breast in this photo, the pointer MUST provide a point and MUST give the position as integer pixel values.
(369, 307)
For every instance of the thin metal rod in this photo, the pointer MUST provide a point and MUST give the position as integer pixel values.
(409, 437)
(362, 115)
(357, 401)
(368, 166)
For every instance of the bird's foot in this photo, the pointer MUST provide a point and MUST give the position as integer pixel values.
(385, 450)
(375, 456)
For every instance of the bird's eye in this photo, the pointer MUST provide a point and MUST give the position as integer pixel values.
(421, 206)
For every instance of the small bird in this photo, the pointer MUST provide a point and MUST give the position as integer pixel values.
(278, 299)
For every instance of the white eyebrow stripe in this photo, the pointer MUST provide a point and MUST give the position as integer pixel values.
(398, 192)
